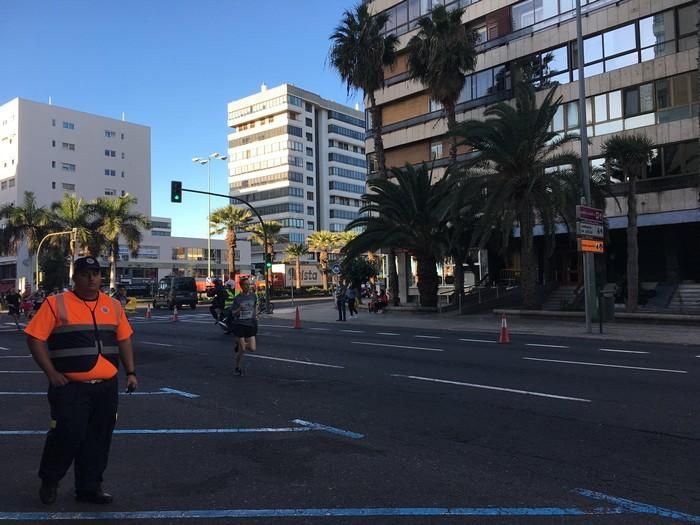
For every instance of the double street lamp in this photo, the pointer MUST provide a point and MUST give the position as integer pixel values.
(202, 161)
(73, 234)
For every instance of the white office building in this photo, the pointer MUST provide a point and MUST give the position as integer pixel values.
(298, 158)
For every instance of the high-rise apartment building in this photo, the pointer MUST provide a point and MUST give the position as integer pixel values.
(298, 158)
(641, 69)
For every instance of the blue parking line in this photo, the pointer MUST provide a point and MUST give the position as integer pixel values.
(161, 392)
(639, 508)
(326, 428)
(409, 512)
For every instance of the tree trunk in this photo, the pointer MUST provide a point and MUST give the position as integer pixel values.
(271, 253)
(298, 272)
(427, 280)
(376, 131)
(231, 242)
(323, 260)
(113, 265)
(451, 125)
(393, 276)
(459, 277)
(632, 247)
(528, 274)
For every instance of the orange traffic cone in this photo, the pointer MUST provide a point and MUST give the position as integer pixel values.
(297, 319)
(505, 336)
(148, 311)
(175, 314)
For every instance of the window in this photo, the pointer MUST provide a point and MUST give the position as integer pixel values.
(682, 158)
(67, 167)
(308, 107)
(68, 125)
(657, 35)
(309, 137)
(346, 118)
(53, 163)
(310, 225)
(110, 173)
(309, 152)
(309, 210)
(123, 193)
(297, 237)
(110, 191)
(687, 29)
(53, 143)
(11, 183)
(309, 122)
(67, 186)
(436, 150)
(309, 181)
(110, 134)
(122, 136)
(53, 186)
(110, 153)
(3, 185)
(309, 195)
(122, 174)
(344, 214)
(293, 130)
(337, 157)
(639, 99)
(53, 122)
(309, 166)
(68, 146)
(123, 155)
(344, 186)
(340, 130)
(350, 174)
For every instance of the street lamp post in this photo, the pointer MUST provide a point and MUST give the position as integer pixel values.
(202, 161)
(73, 233)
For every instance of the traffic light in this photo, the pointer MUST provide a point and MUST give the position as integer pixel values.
(268, 261)
(176, 191)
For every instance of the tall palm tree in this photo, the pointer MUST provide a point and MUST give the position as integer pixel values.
(361, 54)
(227, 219)
(413, 215)
(295, 251)
(518, 157)
(323, 242)
(439, 56)
(115, 219)
(72, 212)
(27, 222)
(630, 154)
(272, 231)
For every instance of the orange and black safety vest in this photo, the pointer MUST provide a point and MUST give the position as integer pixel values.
(83, 334)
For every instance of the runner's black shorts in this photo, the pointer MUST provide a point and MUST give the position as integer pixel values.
(14, 310)
(245, 331)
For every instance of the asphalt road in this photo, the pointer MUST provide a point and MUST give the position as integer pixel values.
(347, 423)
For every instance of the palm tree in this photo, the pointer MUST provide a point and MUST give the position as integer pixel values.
(360, 53)
(27, 222)
(227, 219)
(115, 219)
(630, 154)
(439, 56)
(323, 242)
(258, 234)
(72, 212)
(520, 160)
(296, 251)
(413, 216)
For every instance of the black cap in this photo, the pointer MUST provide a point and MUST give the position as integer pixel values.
(84, 264)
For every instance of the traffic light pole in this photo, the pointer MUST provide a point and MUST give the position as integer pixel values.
(262, 227)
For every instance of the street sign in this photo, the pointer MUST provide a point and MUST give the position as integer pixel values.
(587, 213)
(589, 245)
(589, 229)
(335, 269)
(208, 280)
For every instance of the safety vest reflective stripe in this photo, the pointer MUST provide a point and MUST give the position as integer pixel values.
(84, 327)
(62, 312)
(230, 296)
(91, 350)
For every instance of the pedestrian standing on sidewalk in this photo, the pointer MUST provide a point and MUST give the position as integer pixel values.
(245, 325)
(340, 301)
(351, 295)
(13, 301)
(77, 338)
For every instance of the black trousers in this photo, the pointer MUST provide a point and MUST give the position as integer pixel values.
(83, 416)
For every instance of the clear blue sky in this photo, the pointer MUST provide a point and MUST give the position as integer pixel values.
(172, 65)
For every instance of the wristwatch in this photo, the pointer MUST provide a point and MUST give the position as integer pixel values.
(132, 373)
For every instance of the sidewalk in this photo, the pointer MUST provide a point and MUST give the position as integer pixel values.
(647, 332)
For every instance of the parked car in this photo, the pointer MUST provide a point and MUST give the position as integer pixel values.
(174, 291)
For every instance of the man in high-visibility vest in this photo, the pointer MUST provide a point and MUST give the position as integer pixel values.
(78, 338)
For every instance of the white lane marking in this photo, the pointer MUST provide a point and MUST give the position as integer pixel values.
(310, 363)
(15, 356)
(546, 346)
(353, 331)
(321, 329)
(608, 365)
(392, 333)
(21, 372)
(478, 341)
(3, 348)
(498, 388)
(274, 326)
(399, 346)
(427, 337)
(622, 351)
(155, 344)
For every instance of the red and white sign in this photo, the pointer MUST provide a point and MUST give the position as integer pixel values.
(587, 213)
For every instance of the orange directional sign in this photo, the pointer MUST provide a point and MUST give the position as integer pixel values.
(588, 245)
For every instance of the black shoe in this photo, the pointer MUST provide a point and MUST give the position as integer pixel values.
(98, 496)
(47, 493)
(238, 371)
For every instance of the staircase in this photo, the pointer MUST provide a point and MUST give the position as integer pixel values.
(686, 300)
(560, 299)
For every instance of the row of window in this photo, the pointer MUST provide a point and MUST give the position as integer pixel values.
(345, 159)
(111, 134)
(343, 214)
(344, 186)
(287, 191)
(345, 146)
(267, 148)
(292, 223)
(285, 207)
(348, 174)
(267, 179)
(267, 163)
(160, 224)
(261, 106)
(66, 124)
(198, 254)
(336, 115)
(404, 17)
(345, 201)
(664, 100)
(340, 130)
(299, 238)
(251, 124)
(263, 135)
(8, 183)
